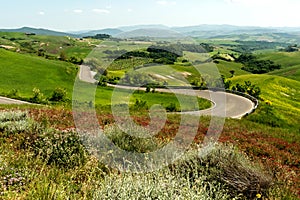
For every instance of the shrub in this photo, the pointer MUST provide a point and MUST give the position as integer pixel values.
(13, 93)
(172, 107)
(140, 105)
(131, 143)
(13, 122)
(38, 97)
(225, 165)
(58, 95)
(63, 149)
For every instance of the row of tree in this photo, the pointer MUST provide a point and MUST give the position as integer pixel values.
(163, 54)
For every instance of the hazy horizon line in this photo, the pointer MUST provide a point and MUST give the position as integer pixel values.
(124, 26)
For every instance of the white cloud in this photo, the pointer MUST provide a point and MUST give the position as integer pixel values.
(129, 10)
(101, 11)
(165, 3)
(41, 13)
(78, 11)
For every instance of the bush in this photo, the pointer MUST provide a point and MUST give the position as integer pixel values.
(226, 165)
(172, 107)
(13, 93)
(14, 122)
(63, 149)
(255, 66)
(58, 95)
(140, 105)
(38, 97)
(131, 143)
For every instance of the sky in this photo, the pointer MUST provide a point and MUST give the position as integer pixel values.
(74, 15)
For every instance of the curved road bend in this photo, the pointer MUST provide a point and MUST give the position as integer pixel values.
(225, 104)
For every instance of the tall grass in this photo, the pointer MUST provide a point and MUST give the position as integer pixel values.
(73, 173)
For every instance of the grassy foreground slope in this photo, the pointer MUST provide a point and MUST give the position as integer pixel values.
(25, 72)
(282, 93)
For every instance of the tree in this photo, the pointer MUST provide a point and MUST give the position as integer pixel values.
(148, 88)
(76, 61)
(240, 88)
(103, 81)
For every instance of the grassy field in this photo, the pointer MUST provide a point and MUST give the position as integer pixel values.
(225, 68)
(25, 72)
(289, 72)
(51, 45)
(286, 59)
(178, 74)
(17, 71)
(103, 97)
(283, 93)
(167, 73)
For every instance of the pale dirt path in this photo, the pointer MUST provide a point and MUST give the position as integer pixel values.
(86, 75)
(4, 100)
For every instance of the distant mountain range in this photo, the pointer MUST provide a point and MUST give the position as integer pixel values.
(204, 31)
(38, 31)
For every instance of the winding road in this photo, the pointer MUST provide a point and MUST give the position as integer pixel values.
(225, 104)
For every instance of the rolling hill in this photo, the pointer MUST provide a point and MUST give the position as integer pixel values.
(289, 62)
(282, 93)
(38, 31)
(25, 72)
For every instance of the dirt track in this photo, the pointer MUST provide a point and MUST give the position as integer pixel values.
(4, 100)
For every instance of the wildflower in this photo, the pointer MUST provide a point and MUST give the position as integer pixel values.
(258, 196)
(269, 103)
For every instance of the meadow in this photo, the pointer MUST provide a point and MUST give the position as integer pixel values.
(23, 73)
(42, 155)
(282, 96)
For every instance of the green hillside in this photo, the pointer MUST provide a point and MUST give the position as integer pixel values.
(283, 93)
(48, 46)
(288, 60)
(225, 68)
(25, 72)
(289, 72)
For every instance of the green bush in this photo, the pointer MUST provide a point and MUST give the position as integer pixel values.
(58, 95)
(172, 107)
(131, 143)
(63, 149)
(38, 97)
(140, 105)
(226, 165)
